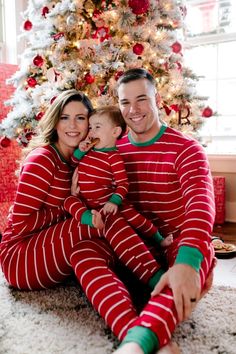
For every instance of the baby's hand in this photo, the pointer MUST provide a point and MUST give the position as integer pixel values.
(110, 208)
(167, 241)
(88, 144)
(84, 145)
(97, 219)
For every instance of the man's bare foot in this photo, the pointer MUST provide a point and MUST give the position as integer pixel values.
(129, 348)
(170, 348)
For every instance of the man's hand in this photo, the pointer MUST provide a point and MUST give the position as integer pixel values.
(185, 284)
(110, 208)
(97, 219)
(74, 184)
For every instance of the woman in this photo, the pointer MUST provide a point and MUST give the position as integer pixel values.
(37, 245)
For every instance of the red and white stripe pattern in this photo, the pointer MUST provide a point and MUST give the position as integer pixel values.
(94, 262)
(100, 174)
(177, 191)
(37, 244)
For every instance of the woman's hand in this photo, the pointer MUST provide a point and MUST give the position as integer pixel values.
(74, 183)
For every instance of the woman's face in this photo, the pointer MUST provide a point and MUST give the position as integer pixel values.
(72, 127)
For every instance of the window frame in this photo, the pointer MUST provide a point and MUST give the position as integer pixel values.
(218, 137)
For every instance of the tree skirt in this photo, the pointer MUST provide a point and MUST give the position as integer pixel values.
(61, 321)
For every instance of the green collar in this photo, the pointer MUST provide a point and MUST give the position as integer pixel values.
(149, 142)
(114, 148)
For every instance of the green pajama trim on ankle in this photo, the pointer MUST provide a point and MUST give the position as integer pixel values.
(155, 278)
(144, 337)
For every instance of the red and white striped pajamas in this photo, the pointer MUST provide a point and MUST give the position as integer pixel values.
(40, 237)
(94, 266)
(170, 182)
(37, 244)
(101, 175)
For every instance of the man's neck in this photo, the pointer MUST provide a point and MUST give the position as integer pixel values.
(144, 136)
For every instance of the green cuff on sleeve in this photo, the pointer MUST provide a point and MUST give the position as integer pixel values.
(86, 218)
(155, 278)
(78, 154)
(116, 199)
(191, 256)
(144, 337)
(157, 237)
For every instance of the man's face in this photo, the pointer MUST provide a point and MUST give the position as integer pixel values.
(138, 104)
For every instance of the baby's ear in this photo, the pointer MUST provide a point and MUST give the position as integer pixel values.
(117, 131)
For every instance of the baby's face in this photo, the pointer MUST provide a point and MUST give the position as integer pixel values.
(101, 127)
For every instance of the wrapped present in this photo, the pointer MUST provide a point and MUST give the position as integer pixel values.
(219, 190)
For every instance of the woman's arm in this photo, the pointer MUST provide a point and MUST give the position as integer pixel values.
(31, 212)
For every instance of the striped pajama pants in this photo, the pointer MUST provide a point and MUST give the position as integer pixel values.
(46, 258)
(94, 262)
(42, 259)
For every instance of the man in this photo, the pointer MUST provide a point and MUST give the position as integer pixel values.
(171, 184)
(173, 174)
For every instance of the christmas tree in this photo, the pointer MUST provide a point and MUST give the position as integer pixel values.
(88, 44)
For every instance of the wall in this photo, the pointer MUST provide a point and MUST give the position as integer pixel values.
(225, 165)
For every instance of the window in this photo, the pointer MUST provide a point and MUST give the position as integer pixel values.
(210, 52)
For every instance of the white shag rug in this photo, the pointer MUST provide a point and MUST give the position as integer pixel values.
(61, 321)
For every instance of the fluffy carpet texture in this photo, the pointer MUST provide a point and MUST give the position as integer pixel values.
(61, 321)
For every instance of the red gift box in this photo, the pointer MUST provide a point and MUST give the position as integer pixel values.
(219, 190)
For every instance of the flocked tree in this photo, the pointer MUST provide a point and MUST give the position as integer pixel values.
(87, 45)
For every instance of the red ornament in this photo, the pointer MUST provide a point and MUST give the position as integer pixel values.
(31, 82)
(58, 36)
(38, 61)
(53, 99)
(118, 74)
(27, 25)
(138, 49)
(89, 78)
(39, 116)
(139, 7)
(5, 142)
(45, 11)
(176, 47)
(207, 112)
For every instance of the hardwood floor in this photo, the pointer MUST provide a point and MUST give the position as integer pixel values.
(227, 232)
